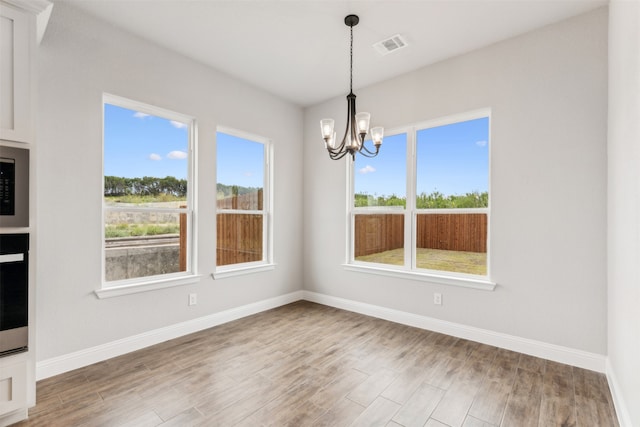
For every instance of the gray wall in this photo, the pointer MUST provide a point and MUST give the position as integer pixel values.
(79, 59)
(624, 204)
(548, 93)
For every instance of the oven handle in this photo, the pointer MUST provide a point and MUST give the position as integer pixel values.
(11, 258)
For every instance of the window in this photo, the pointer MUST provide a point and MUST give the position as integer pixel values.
(147, 194)
(422, 205)
(243, 201)
(380, 201)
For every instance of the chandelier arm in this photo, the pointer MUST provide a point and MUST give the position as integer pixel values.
(346, 129)
(337, 149)
(363, 154)
(337, 156)
(369, 151)
(355, 139)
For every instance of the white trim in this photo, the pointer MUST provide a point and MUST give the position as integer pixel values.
(569, 356)
(595, 362)
(454, 118)
(58, 365)
(146, 286)
(241, 269)
(423, 275)
(131, 104)
(14, 417)
(32, 6)
(622, 411)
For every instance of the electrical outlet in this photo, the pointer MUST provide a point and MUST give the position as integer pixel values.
(193, 299)
(437, 298)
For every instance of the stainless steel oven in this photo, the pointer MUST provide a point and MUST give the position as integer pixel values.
(14, 293)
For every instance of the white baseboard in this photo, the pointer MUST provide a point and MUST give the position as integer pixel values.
(569, 356)
(624, 418)
(58, 365)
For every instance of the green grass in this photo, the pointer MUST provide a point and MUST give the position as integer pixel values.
(435, 259)
(138, 199)
(133, 230)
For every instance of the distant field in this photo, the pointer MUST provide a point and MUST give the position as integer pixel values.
(435, 259)
(135, 199)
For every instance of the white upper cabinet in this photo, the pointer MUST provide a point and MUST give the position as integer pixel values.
(15, 94)
(22, 26)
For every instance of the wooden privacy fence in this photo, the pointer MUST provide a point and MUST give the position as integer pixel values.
(455, 232)
(239, 238)
(378, 233)
(452, 232)
(239, 235)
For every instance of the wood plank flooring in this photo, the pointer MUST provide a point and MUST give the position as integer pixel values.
(305, 364)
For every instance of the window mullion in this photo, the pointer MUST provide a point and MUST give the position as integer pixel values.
(409, 232)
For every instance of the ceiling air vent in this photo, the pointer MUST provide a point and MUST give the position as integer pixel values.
(391, 44)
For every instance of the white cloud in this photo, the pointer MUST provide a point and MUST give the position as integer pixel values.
(177, 155)
(248, 174)
(178, 125)
(481, 143)
(154, 156)
(367, 169)
(139, 115)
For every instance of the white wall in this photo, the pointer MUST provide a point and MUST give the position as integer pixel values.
(79, 59)
(624, 207)
(548, 93)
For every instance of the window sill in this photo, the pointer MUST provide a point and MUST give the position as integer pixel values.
(465, 282)
(116, 291)
(239, 271)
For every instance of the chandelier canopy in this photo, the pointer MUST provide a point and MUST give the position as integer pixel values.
(357, 123)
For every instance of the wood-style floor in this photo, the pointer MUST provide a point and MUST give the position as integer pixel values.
(309, 365)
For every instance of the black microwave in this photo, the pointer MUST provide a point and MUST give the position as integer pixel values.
(14, 187)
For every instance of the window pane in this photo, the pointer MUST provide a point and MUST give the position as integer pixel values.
(145, 159)
(452, 242)
(240, 170)
(379, 238)
(382, 180)
(453, 165)
(144, 243)
(146, 172)
(239, 238)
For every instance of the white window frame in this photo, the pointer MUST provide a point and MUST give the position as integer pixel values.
(148, 283)
(410, 270)
(267, 263)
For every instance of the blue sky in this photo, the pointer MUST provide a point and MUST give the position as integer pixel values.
(452, 159)
(138, 144)
(239, 161)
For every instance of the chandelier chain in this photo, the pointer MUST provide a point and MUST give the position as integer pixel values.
(351, 63)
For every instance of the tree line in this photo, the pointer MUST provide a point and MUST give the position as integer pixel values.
(434, 200)
(145, 186)
(116, 186)
(225, 191)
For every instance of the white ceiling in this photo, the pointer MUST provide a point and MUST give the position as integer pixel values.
(299, 50)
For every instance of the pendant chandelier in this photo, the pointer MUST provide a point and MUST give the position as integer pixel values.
(357, 123)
